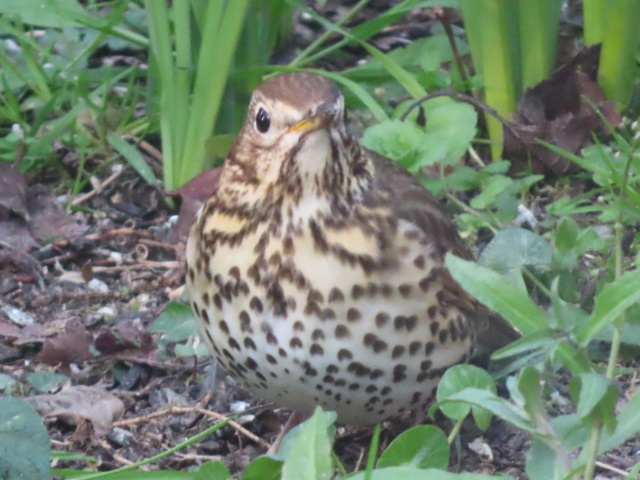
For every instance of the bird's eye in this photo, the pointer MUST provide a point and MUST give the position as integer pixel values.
(263, 122)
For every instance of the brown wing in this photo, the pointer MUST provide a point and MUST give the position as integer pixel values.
(411, 201)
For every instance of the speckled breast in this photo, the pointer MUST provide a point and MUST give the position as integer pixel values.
(297, 316)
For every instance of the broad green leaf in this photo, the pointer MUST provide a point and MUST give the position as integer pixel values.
(395, 139)
(24, 443)
(6, 381)
(498, 294)
(458, 378)
(594, 396)
(213, 471)
(494, 187)
(530, 388)
(534, 341)
(490, 401)
(310, 455)
(542, 462)
(424, 446)
(512, 249)
(628, 425)
(566, 234)
(41, 13)
(448, 133)
(413, 473)
(610, 303)
(175, 323)
(263, 468)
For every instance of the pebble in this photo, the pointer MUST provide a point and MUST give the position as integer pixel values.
(97, 286)
(17, 316)
(107, 311)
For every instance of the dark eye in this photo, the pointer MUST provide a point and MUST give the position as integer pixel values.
(263, 122)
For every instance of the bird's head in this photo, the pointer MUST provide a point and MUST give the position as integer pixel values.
(293, 142)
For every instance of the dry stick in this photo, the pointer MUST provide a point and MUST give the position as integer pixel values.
(114, 455)
(94, 192)
(611, 468)
(203, 411)
(465, 98)
(442, 16)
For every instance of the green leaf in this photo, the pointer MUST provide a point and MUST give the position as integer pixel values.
(458, 378)
(46, 381)
(310, 455)
(610, 304)
(628, 425)
(424, 446)
(566, 234)
(512, 249)
(413, 473)
(395, 139)
(213, 471)
(530, 388)
(133, 157)
(6, 381)
(175, 323)
(491, 402)
(494, 187)
(595, 396)
(498, 294)
(539, 339)
(542, 462)
(24, 443)
(41, 13)
(263, 468)
(448, 133)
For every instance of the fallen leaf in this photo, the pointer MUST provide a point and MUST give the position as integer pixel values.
(193, 195)
(13, 192)
(125, 335)
(49, 222)
(71, 346)
(74, 404)
(556, 112)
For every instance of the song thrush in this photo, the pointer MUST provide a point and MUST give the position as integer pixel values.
(316, 270)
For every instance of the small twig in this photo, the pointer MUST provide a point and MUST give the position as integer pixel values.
(118, 458)
(116, 233)
(611, 468)
(87, 196)
(203, 411)
(463, 97)
(442, 16)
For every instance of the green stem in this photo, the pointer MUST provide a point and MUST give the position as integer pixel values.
(596, 430)
(180, 446)
(454, 431)
(592, 449)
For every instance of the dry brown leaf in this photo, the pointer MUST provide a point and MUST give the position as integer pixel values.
(74, 404)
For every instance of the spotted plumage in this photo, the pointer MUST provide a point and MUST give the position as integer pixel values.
(316, 270)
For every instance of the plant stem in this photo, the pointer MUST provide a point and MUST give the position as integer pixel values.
(596, 430)
(454, 431)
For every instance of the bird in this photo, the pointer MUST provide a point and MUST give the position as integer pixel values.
(316, 269)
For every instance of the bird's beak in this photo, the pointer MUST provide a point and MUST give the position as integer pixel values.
(322, 117)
